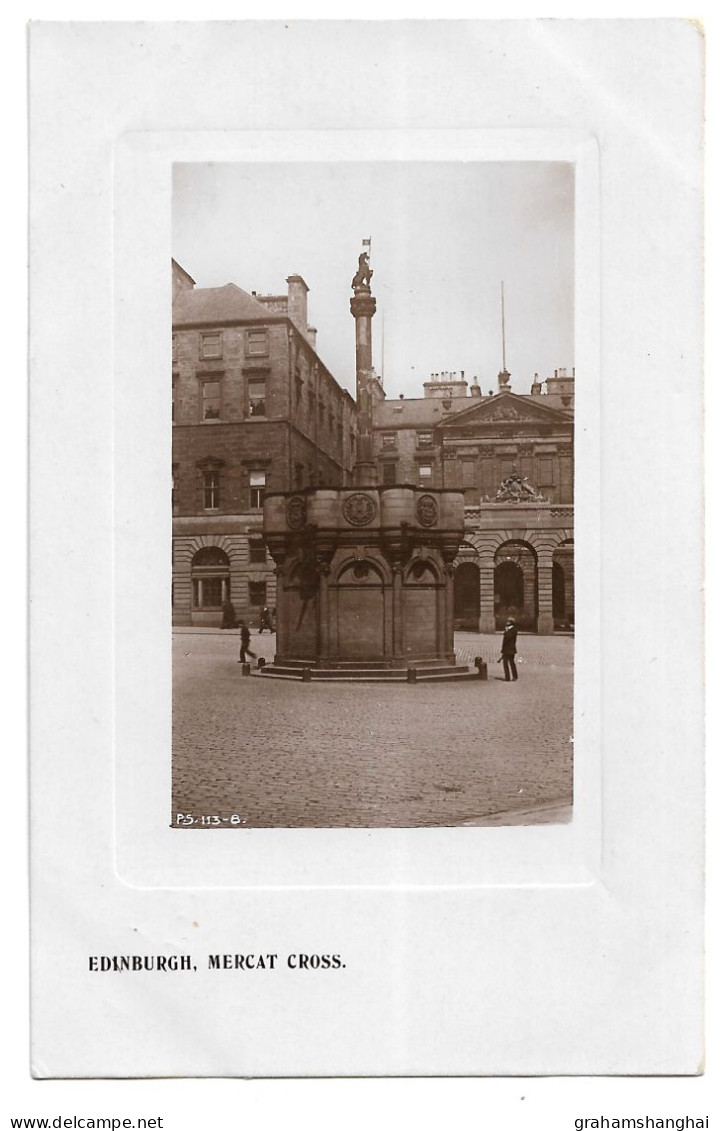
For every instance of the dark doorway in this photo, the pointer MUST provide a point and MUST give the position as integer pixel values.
(509, 585)
(516, 585)
(467, 597)
(509, 592)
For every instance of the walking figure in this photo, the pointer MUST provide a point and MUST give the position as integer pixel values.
(245, 643)
(509, 648)
(265, 620)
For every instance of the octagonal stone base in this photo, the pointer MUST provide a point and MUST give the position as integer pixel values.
(364, 576)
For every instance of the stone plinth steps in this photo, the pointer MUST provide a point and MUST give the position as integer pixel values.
(420, 672)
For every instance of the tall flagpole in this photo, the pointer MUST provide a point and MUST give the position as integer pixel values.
(503, 375)
(502, 317)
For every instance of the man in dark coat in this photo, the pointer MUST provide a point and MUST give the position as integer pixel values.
(509, 648)
(244, 642)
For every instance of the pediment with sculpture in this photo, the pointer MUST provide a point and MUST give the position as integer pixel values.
(506, 408)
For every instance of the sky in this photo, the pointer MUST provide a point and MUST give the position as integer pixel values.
(444, 238)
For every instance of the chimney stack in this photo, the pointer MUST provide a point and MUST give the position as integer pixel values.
(297, 302)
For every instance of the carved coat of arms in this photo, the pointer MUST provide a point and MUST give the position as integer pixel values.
(517, 489)
(296, 512)
(359, 509)
(427, 510)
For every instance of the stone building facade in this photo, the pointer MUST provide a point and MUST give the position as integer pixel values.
(254, 410)
(512, 456)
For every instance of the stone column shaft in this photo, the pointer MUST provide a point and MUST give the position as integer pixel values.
(322, 616)
(362, 307)
(280, 639)
(487, 597)
(449, 641)
(397, 649)
(545, 623)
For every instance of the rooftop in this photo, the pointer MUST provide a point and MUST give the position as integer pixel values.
(219, 304)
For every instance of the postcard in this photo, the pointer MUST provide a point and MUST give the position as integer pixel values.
(366, 439)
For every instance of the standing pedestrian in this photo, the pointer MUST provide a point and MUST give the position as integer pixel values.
(229, 619)
(265, 620)
(244, 643)
(509, 648)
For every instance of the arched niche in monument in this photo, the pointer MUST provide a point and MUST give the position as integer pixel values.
(360, 611)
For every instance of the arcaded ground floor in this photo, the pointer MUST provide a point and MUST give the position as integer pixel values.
(263, 753)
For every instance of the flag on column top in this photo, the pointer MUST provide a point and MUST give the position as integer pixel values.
(366, 243)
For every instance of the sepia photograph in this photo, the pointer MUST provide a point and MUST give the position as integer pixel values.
(373, 392)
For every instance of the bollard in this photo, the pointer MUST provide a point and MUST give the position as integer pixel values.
(412, 674)
(245, 669)
(306, 675)
(481, 667)
(261, 662)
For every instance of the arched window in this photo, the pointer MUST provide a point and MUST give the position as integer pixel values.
(210, 572)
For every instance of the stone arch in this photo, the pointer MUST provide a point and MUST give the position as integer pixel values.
(516, 583)
(473, 542)
(220, 541)
(545, 542)
(192, 546)
(343, 562)
(358, 596)
(468, 550)
(210, 556)
(494, 539)
(359, 571)
(421, 571)
(512, 547)
(210, 580)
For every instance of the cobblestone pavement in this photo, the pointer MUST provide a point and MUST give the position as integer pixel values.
(283, 754)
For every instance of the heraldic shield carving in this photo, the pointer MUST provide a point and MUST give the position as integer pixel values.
(427, 510)
(296, 512)
(359, 510)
